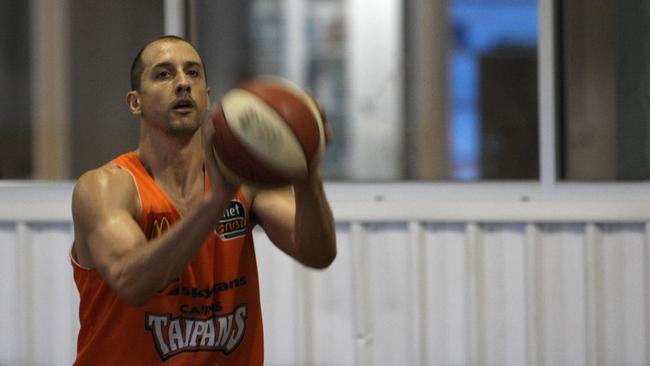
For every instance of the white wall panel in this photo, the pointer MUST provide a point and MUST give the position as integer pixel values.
(308, 315)
(515, 287)
(621, 295)
(561, 315)
(10, 326)
(388, 303)
(278, 289)
(444, 257)
(331, 319)
(52, 287)
(501, 292)
(39, 303)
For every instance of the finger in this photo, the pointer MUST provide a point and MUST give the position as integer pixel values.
(214, 168)
(326, 126)
(208, 137)
(328, 134)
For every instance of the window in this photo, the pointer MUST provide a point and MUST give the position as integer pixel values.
(605, 50)
(414, 89)
(105, 36)
(15, 132)
(352, 57)
(493, 120)
(303, 41)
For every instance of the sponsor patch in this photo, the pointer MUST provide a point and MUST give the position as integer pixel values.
(159, 224)
(233, 222)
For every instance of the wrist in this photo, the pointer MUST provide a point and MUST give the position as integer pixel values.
(312, 182)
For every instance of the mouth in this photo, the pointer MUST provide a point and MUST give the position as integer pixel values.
(183, 105)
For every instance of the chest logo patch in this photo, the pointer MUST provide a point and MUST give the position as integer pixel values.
(233, 222)
(159, 224)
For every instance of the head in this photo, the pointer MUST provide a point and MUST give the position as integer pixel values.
(168, 86)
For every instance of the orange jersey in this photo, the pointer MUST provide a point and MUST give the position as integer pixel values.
(210, 315)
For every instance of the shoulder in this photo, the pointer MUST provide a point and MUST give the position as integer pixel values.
(105, 188)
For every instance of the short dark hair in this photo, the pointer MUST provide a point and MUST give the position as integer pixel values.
(137, 67)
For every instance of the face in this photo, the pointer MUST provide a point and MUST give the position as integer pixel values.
(173, 93)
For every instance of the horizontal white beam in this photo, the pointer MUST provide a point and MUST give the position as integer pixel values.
(488, 191)
(493, 212)
(174, 12)
(402, 202)
(35, 201)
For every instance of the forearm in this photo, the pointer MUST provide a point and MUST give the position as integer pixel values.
(151, 266)
(314, 232)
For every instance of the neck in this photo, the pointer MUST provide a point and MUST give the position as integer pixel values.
(174, 161)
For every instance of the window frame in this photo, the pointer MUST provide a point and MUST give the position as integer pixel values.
(547, 187)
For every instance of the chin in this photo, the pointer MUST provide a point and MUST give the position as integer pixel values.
(183, 128)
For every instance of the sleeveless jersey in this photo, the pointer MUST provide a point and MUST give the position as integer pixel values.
(210, 315)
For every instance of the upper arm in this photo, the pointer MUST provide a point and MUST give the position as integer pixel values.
(275, 210)
(104, 204)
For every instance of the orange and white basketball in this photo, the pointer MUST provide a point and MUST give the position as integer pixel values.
(266, 132)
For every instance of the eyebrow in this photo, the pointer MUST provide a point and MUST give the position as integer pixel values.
(169, 64)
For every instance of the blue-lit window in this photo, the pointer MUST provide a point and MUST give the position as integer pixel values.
(480, 29)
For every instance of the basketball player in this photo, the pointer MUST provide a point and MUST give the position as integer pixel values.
(163, 253)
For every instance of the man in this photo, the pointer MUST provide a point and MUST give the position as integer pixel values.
(163, 255)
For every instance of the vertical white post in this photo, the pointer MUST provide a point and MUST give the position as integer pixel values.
(547, 89)
(475, 298)
(175, 18)
(25, 298)
(295, 45)
(593, 276)
(50, 118)
(646, 266)
(304, 306)
(374, 74)
(360, 288)
(417, 290)
(534, 307)
(73, 311)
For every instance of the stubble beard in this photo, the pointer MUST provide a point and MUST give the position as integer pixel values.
(183, 128)
(178, 127)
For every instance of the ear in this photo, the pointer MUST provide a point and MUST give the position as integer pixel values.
(133, 102)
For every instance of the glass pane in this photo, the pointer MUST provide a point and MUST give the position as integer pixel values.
(604, 78)
(353, 58)
(326, 75)
(223, 38)
(105, 37)
(493, 132)
(244, 39)
(323, 60)
(15, 144)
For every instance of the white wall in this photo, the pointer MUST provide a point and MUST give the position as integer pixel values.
(489, 280)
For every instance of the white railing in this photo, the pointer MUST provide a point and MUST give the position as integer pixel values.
(427, 274)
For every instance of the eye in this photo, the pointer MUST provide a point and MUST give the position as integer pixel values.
(193, 73)
(162, 75)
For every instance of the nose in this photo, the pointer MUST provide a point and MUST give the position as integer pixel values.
(183, 85)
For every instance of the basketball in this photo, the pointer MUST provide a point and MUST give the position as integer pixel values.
(266, 133)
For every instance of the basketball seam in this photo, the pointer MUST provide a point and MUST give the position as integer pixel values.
(290, 158)
(275, 179)
(303, 97)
